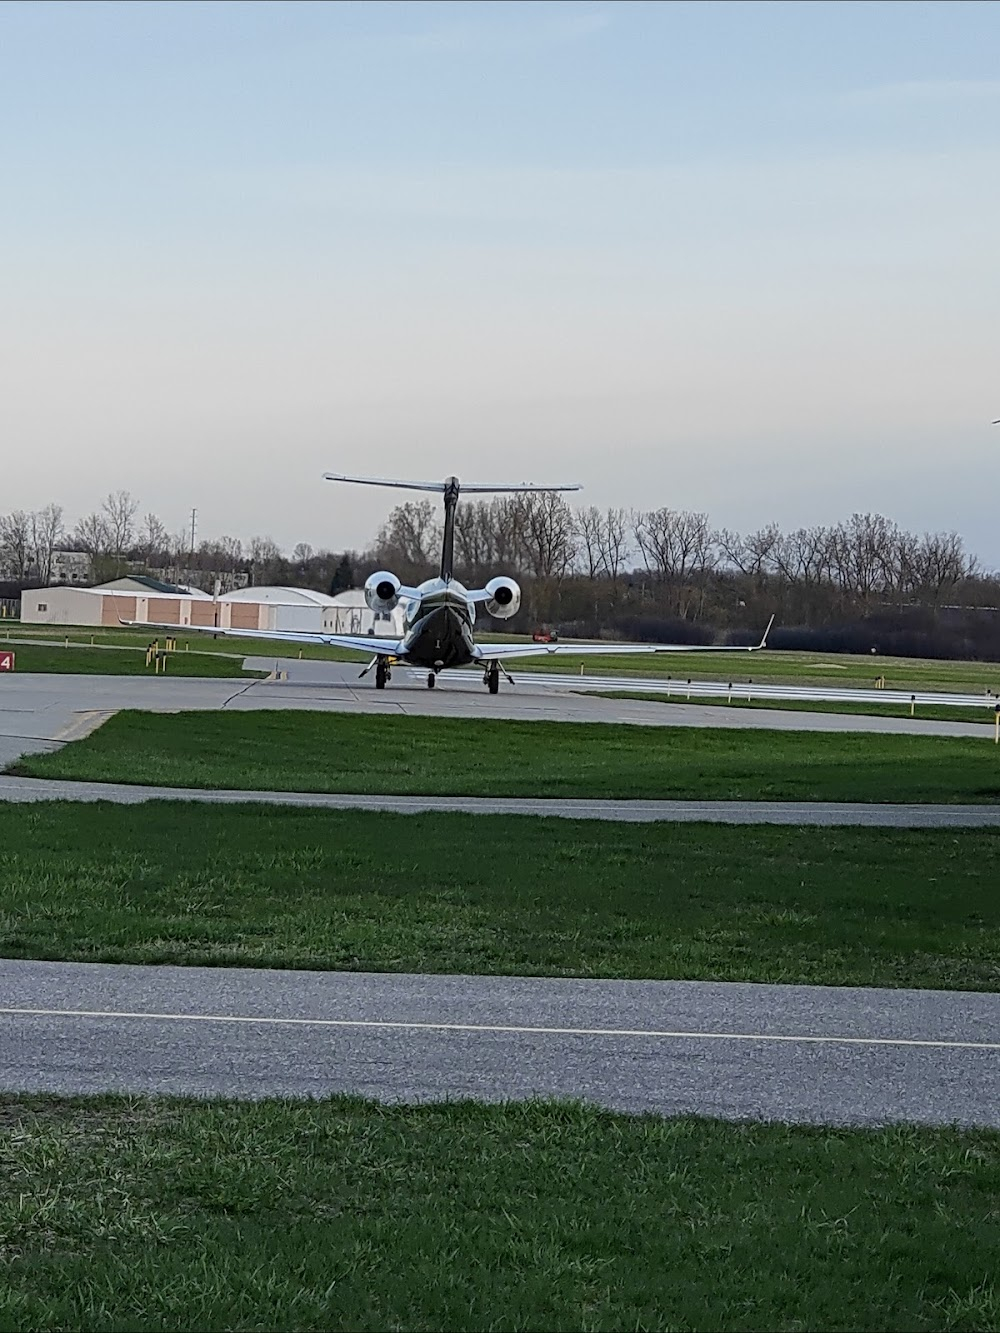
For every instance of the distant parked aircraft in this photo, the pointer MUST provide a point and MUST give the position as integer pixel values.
(439, 614)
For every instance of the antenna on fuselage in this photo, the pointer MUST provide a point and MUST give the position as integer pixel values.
(450, 488)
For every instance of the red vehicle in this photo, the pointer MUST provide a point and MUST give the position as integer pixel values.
(545, 636)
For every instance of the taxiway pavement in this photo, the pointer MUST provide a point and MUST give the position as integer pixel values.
(807, 1054)
(41, 712)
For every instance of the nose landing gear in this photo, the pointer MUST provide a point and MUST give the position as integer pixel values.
(382, 673)
(492, 678)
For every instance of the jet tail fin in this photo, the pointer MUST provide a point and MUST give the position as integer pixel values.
(450, 489)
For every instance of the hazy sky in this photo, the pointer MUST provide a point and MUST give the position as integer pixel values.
(742, 258)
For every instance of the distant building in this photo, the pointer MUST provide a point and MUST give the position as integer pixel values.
(71, 567)
(129, 598)
(148, 600)
(305, 610)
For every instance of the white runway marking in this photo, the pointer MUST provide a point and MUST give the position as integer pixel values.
(407, 1025)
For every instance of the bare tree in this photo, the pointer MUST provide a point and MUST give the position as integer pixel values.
(804, 555)
(230, 554)
(408, 540)
(548, 538)
(941, 564)
(302, 553)
(265, 559)
(673, 542)
(588, 528)
(15, 542)
(753, 554)
(476, 540)
(678, 550)
(154, 540)
(120, 509)
(862, 555)
(91, 535)
(615, 547)
(46, 533)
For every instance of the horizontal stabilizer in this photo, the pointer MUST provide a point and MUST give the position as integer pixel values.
(437, 486)
(488, 488)
(440, 487)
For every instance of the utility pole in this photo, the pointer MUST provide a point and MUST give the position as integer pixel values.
(194, 517)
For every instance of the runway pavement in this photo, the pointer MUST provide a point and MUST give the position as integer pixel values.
(807, 1054)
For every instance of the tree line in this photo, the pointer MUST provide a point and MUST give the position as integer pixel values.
(117, 539)
(677, 560)
(647, 573)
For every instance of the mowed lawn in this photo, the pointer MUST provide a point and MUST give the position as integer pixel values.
(337, 752)
(253, 886)
(101, 661)
(131, 1214)
(924, 712)
(900, 673)
(780, 667)
(187, 641)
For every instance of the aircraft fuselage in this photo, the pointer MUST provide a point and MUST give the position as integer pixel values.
(439, 624)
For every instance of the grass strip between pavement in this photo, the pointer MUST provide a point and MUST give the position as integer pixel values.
(131, 1214)
(922, 712)
(242, 885)
(803, 668)
(289, 750)
(103, 661)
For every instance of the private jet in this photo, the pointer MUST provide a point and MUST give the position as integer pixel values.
(439, 615)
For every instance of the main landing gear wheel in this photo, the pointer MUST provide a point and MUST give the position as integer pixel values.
(381, 674)
(431, 680)
(493, 677)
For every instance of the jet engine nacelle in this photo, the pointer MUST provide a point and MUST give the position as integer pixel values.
(382, 592)
(505, 598)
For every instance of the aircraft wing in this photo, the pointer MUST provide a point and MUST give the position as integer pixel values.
(490, 651)
(361, 643)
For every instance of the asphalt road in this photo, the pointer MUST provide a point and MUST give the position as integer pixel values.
(834, 1055)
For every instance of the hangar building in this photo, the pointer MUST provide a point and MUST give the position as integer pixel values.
(150, 600)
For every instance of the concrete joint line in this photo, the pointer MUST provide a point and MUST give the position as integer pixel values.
(404, 1025)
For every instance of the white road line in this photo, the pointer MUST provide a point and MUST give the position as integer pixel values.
(406, 1025)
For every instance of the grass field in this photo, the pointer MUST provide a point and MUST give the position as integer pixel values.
(133, 1215)
(251, 886)
(103, 661)
(57, 635)
(311, 751)
(779, 667)
(842, 669)
(926, 712)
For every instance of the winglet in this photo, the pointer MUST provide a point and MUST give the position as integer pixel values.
(763, 637)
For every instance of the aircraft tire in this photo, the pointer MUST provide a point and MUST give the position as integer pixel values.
(431, 680)
(493, 680)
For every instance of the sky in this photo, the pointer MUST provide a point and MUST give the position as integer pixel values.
(736, 258)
